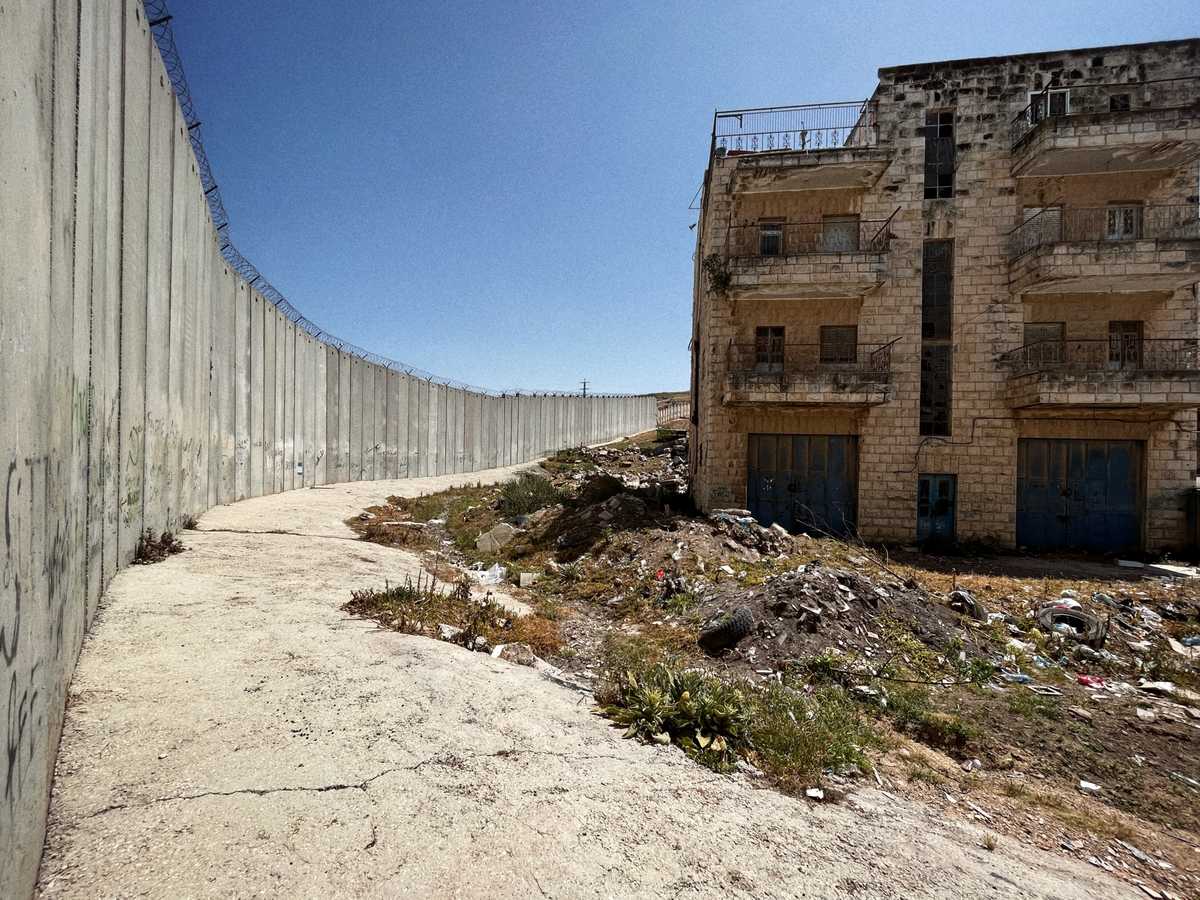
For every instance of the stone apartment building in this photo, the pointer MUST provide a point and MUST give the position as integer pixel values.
(963, 308)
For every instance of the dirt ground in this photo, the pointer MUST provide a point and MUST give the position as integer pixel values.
(1104, 771)
(231, 732)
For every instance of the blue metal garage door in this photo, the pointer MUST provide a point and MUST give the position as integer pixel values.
(805, 482)
(1079, 494)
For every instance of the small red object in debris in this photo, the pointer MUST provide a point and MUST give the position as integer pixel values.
(1090, 680)
(660, 574)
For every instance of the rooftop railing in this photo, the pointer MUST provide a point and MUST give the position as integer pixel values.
(1118, 354)
(832, 234)
(806, 128)
(755, 365)
(1058, 102)
(1109, 224)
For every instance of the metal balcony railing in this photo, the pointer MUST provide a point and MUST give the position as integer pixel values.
(1057, 102)
(809, 127)
(1052, 225)
(832, 234)
(754, 365)
(1118, 353)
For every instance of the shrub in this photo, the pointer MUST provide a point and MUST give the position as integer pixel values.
(705, 716)
(527, 493)
(796, 736)
(790, 735)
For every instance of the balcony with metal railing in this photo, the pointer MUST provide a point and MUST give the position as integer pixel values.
(1110, 249)
(804, 147)
(824, 375)
(836, 256)
(1121, 372)
(1084, 129)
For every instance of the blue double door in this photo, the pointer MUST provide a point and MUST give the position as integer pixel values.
(804, 482)
(1075, 494)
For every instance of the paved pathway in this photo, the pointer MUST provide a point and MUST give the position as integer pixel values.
(231, 732)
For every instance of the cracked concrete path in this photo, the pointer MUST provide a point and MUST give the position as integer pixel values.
(230, 732)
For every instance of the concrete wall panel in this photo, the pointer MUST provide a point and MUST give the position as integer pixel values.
(345, 414)
(355, 456)
(268, 432)
(279, 361)
(289, 405)
(258, 315)
(161, 161)
(241, 362)
(373, 462)
(26, 142)
(331, 469)
(320, 415)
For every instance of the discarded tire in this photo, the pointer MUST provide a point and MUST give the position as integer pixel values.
(1084, 627)
(725, 634)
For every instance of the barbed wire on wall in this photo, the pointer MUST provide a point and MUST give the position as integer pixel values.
(159, 18)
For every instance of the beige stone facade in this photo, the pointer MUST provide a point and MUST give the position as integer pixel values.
(1068, 197)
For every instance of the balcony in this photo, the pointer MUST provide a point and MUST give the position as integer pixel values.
(816, 146)
(1102, 128)
(834, 257)
(808, 375)
(1122, 373)
(1106, 250)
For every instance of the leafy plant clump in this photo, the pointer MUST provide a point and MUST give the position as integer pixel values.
(705, 716)
(792, 736)
(527, 494)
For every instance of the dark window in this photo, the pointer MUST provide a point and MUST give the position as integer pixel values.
(1118, 103)
(839, 343)
(1044, 332)
(839, 234)
(937, 290)
(1044, 342)
(770, 238)
(937, 278)
(1125, 345)
(768, 348)
(1049, 103)
(935, 389)
(939, 154)
(1123, 223)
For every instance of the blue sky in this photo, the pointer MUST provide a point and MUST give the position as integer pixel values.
(498, 193)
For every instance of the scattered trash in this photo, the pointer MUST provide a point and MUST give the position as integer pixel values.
(527, 579)
(1016, 677)
(1044, 690)
(1080, 713)
(1077, 624)
(814, 794)
(1090, 680)
(1089, 787)
(1190, 651)
(972, 765)
(962, 601)
(492, 576)
(1190, 782)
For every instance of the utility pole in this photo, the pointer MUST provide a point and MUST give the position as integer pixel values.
(585, 384)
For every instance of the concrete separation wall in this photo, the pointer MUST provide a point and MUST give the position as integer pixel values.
(143, 381)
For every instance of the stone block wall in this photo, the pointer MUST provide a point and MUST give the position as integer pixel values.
(988, 316)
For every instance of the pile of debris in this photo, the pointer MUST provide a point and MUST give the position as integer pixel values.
(151, 549)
